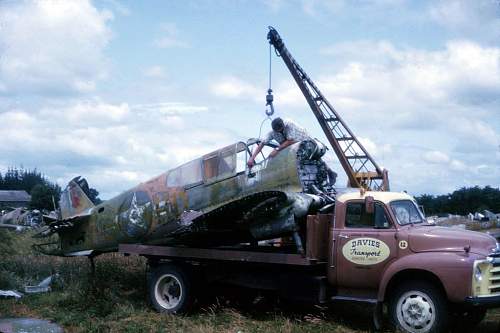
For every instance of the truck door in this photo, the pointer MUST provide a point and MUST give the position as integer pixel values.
(365, 246)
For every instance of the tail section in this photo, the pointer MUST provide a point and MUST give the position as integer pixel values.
(75, 200)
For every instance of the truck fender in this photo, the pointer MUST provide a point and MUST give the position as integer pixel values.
(452, 271)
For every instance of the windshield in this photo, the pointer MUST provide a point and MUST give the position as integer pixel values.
(406, 212)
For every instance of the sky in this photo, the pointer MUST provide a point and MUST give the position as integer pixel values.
(121, 91)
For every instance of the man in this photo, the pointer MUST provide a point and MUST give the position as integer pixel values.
(285, 133)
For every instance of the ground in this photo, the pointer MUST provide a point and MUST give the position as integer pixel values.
(115, 301)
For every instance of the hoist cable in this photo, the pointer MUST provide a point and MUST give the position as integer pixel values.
(269, 96)
(270, 66)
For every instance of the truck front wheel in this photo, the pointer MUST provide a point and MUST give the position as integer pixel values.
(418, 307)
(170, 289)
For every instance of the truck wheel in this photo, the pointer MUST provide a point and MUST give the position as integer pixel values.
(170, 289)
(418, 307)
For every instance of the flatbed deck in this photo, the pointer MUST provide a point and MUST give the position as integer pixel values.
(172, 252)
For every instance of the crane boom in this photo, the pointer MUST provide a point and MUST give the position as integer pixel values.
(361, 169)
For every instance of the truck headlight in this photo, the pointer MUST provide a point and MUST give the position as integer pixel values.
(481, 278)
(478, 274)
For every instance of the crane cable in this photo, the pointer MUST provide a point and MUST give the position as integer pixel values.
(269, 96)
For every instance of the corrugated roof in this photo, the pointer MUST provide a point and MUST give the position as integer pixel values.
(11, 196)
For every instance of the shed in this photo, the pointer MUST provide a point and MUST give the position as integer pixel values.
(14, 198)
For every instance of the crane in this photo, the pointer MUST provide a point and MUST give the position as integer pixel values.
(361, 169)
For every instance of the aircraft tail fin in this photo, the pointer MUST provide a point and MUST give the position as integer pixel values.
(75, 200)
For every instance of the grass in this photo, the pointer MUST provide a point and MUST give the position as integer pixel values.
(115, 300)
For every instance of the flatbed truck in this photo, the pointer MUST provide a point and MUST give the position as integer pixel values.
(376, 247)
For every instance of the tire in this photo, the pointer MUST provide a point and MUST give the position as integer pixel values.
(418, 307)
(170, 289)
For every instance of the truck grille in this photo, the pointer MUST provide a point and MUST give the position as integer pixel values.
(494, 277)
(486, 280)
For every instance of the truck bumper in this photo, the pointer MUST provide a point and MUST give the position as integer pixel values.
(486, 302)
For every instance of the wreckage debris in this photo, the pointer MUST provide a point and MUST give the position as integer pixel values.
(10, 293)
(42, 287)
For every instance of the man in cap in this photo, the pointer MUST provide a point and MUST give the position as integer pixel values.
(285, 132)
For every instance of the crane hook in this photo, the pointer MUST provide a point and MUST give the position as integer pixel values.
(269, 102)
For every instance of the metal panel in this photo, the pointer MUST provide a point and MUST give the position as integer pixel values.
(215, 254)
(317, 236)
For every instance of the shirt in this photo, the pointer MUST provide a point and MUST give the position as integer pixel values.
(291, 131)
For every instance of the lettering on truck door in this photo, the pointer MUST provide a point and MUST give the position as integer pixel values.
(365, 245)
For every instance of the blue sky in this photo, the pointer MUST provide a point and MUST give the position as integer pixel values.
(120, 91)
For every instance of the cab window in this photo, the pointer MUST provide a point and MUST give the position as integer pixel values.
(225, 162)
(264, 153)
(210, 165)
(357, 217)
(241, 157)
(406, 212)
(187, 174)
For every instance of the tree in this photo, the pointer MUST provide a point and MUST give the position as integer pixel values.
(462, 201)
(43, 194)
(33, 182)
(94, 196)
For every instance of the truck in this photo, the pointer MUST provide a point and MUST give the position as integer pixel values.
(376, 247)
(371, 245)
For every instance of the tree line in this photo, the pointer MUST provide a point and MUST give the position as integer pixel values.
(44, 193)
(462, 201)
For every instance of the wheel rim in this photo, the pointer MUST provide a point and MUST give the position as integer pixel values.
(168, 291)
(416, 312)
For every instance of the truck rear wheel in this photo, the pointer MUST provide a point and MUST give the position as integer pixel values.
(418, 307)
(170, 289)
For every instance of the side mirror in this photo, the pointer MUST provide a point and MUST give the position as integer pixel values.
(369, 205)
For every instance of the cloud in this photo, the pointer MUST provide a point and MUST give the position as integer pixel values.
(386, 11)
(476, 135)
(436, 157)
(169, 37)
(155, 72)
(274, 5)
(479, 18)
(101, 140)
(118, 7)
(440, 105)
(52, 46)
(87, 112)
(168, 108)
(453, 75)
(235, 88)
(375, 149)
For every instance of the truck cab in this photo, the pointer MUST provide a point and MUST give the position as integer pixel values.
(382, 249)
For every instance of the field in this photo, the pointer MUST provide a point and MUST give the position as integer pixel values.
(114, 300)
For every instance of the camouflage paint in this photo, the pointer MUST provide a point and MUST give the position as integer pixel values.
(152, 209)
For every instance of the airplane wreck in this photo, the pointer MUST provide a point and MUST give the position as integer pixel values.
(213, 200)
